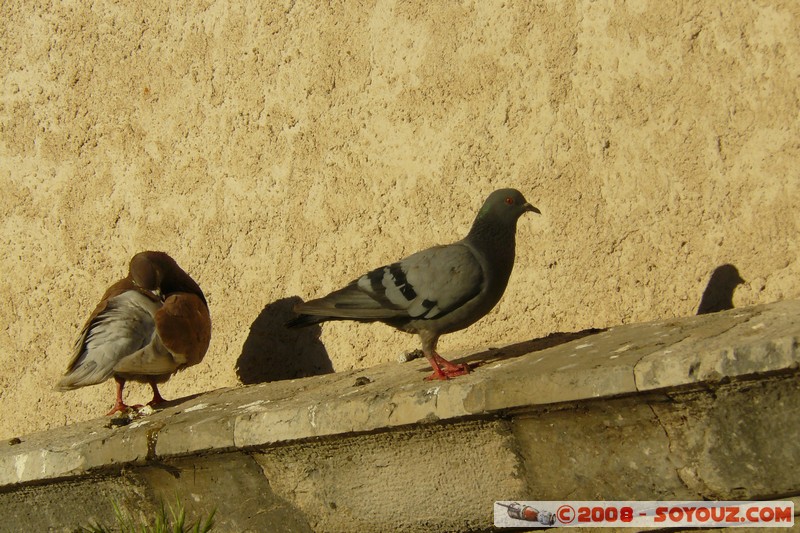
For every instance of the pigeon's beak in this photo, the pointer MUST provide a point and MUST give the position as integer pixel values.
(528, 207)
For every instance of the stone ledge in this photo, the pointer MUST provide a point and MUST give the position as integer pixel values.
(620, 361)
(692, 408)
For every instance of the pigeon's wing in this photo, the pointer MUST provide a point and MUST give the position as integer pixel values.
(184, 326)
(182, 335)
(121, 325)
(154, 359)
(425, 285)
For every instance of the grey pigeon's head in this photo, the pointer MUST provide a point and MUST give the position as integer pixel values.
(505, 206)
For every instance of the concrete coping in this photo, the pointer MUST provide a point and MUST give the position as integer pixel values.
(623, 360)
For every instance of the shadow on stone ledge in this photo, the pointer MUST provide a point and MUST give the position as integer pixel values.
(526, 347)
(273, 352)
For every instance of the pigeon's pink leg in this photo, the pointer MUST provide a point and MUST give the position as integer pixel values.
(447, 369)
(437, 372)
(429, 341)
(119, 406)
(451, 369)
(157, 398)
(442, 368)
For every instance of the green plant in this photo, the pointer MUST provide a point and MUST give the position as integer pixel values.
(173, 521)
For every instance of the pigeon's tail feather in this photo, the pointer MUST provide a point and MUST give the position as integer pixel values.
(65, 384)
(86, 373)
(349, 303)
(305, 320)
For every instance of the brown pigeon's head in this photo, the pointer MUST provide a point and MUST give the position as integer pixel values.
(145, 272)
(159, 273)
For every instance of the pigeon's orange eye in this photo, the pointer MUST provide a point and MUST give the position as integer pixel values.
(510, 201)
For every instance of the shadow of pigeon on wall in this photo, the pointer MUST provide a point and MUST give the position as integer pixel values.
(272, 352)
(718, 295)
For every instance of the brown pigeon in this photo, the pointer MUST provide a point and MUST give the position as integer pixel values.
(146, 327)
(435, 291)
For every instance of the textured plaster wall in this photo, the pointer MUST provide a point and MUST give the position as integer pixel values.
(280, 150)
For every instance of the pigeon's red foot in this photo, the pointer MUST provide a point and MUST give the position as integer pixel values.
(447, 374)
(444, 369)
(451, 369)
(157, 398)
(121, 407)
(437, 375)
(118, 408)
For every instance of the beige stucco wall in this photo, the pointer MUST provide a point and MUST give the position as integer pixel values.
(281, 151)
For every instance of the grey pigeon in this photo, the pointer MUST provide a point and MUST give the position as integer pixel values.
(435, 291)
(146, 327)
